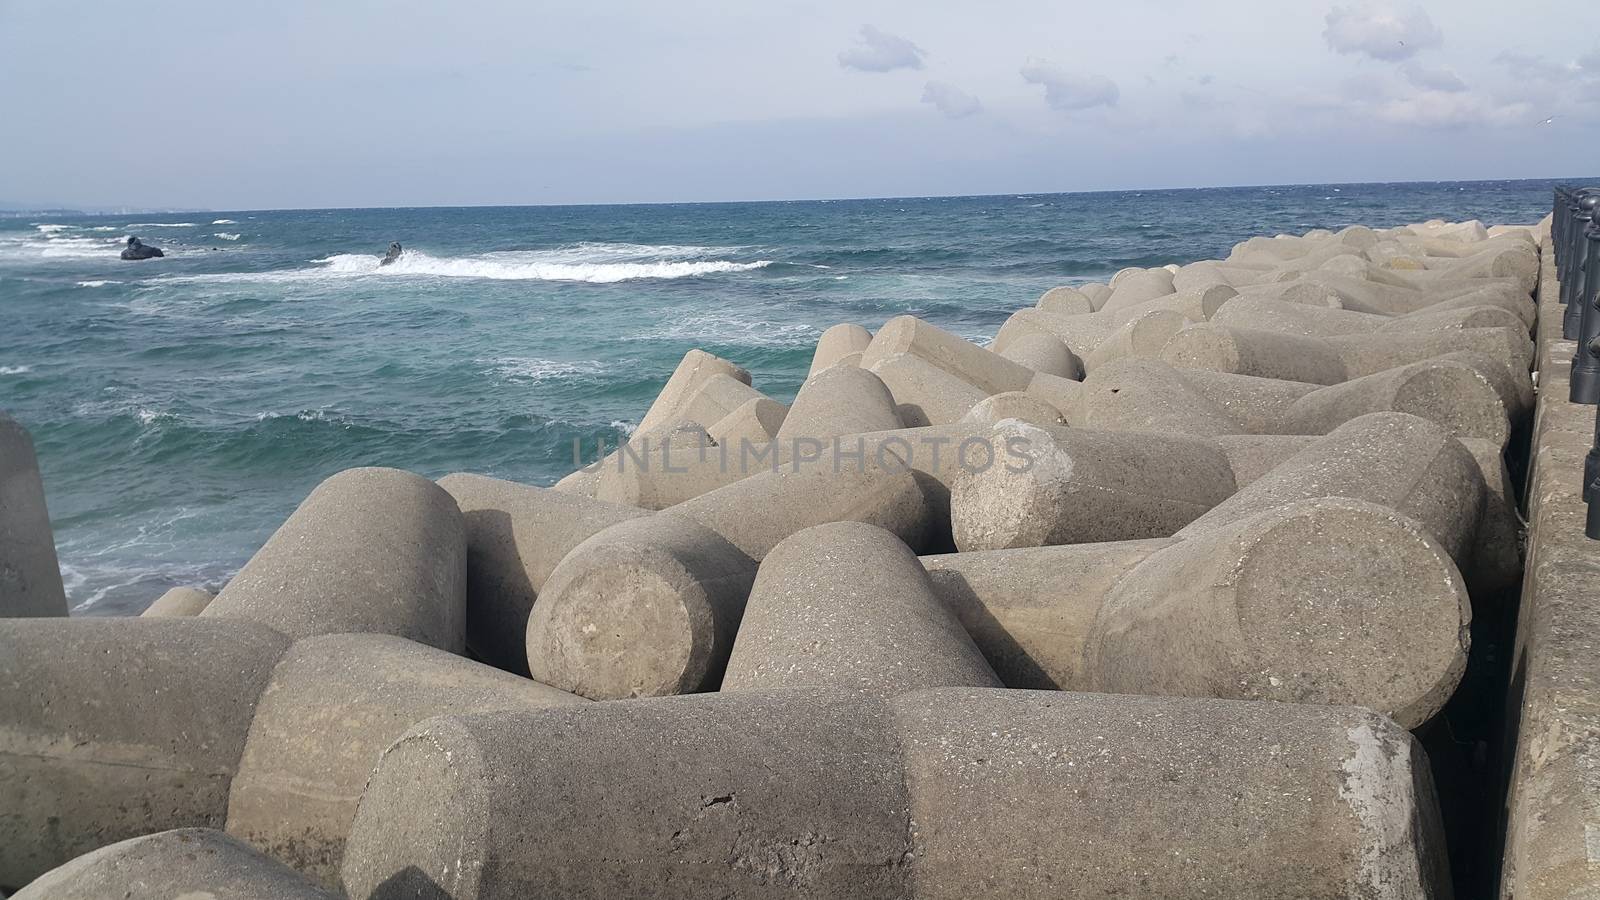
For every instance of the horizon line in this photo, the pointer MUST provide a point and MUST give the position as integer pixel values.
(151, 210)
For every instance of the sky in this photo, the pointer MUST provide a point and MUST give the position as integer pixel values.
(311, 103)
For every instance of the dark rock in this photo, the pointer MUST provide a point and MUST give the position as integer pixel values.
(138, 249)
(392, 255)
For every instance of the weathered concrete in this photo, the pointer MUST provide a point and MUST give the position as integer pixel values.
(1387, 629)
(30, 575)
(1337, 358)
(1007, 793)
(878, 488)
(925, 394)
(180, 601)
(516, 534)
(646, 608)
(1014, 405)
(1320, 601)
(840, 400)
(1044, 353)
(837, 343)
(183, 864)
(1552, 817)
(988, 371)
(757, 421)
(331, 707)
(370, 550)
(676, 404)
(847, 605)
(1073, 486)
(1401, 461)
(112, 728)
(1464, 392)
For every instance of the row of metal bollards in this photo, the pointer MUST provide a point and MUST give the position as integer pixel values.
(1575, 233)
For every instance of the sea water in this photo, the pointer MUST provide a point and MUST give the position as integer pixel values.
(183, 406)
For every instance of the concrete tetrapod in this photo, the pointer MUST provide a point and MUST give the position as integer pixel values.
(111, 728)
(1469, 394)
(646, 608)
(675, 405)
(919, 795)
(1317, 601)
(30, 575)
(847, 605)
(182, 864)
(331, 707)
(1331, 360)
(840, 400)
(837, 343)
(1072, 485)
(516, 534)
(180, 601)
(650, 606)
(370, 550)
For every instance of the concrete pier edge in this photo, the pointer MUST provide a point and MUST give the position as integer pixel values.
(1552, 809)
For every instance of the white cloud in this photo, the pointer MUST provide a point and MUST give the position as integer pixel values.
(1433, 78)
(1444, 109)
(880, 51)
(1068, 91)
(951, 100)
(1381, 31)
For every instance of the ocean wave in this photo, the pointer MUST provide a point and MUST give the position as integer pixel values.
(224, 222)
(227, 236)
(520, 369)
(729, 329)
(586, 262)
(528, 267)
(15, 370)
(163, 225)
(97, 283)
(52, 228)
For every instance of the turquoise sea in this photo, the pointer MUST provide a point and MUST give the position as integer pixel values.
(183, 406)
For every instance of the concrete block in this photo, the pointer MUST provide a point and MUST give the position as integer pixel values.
(676, 402)
(755, 422)
(925, 394)
(182, 863)
(1014, 405)
(990, 372)
(1318, 601)
(516, 534)
(1073, 485)
(646, 608)
(1135, 286)
(1142, 337)
(836, 343)
(1044, 353)
(847, 605)
(331, 707)
(30, 575)
(840, 400)
(113, 728)
(1066, 300)
(180, 601)
(370, 550)
(809, 794)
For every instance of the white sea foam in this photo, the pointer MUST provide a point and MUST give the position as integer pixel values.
(521, 369)
(96, 284)
(55, 229)
(587, 262)
(227, 236)
(727, 328)
(15, 370)
(224, 222)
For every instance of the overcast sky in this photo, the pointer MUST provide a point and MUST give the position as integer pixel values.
(313, 103)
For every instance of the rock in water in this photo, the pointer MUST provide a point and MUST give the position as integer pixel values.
(393, 254)
(138, 249)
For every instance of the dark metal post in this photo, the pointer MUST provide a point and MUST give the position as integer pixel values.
(1576, 274)
(1586, 361)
